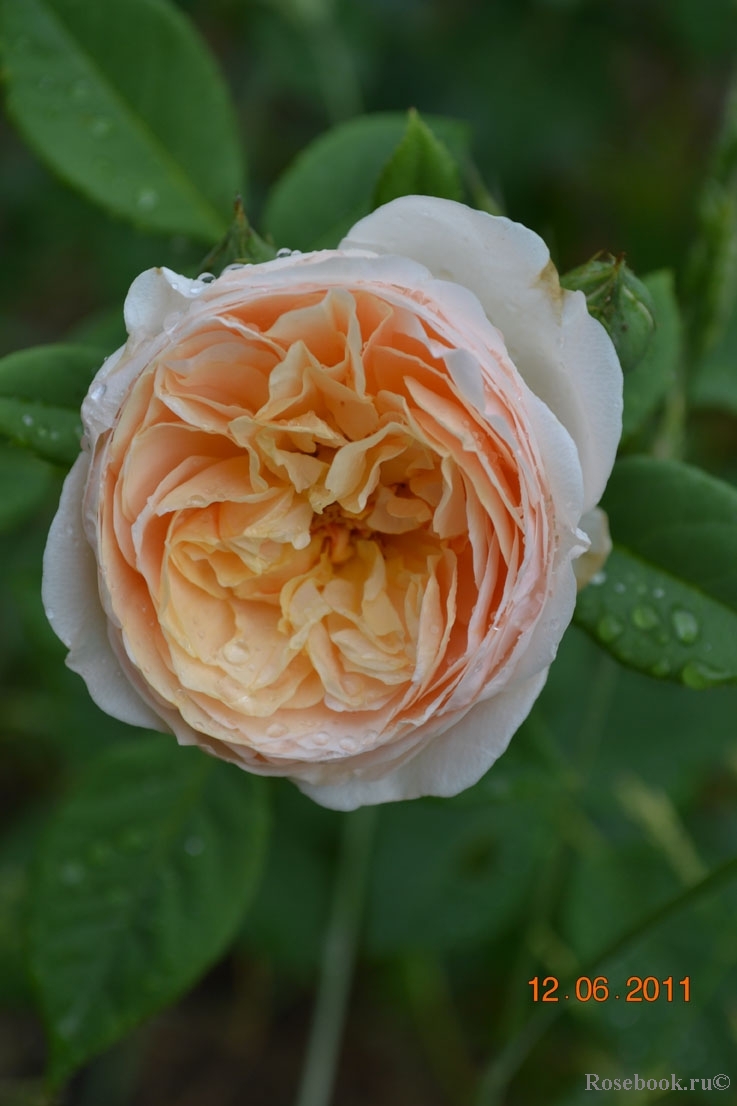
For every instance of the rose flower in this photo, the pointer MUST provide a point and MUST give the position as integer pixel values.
(328, 510)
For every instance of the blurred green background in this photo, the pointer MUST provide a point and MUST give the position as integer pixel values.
(593, 121)
(591, 118)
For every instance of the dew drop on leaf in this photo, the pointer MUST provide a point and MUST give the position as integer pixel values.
(100, 127)
(699, 675)
(194, 846)
(609, 627)
(147, 199)
(645, 618)
(685, 625)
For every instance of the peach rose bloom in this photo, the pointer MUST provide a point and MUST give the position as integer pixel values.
(327, 513)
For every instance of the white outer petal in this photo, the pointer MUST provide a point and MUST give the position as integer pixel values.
(565, 355)
(449, 763)
(153, 296)
(595, 525)
(72, 603)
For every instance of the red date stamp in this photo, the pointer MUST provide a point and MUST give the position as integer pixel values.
(585, 989)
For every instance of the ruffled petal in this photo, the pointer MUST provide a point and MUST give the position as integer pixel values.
(564, 354)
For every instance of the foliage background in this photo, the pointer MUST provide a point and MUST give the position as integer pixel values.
(594, 121)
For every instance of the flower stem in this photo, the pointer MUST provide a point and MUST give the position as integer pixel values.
(439, 1030)
(338, 959)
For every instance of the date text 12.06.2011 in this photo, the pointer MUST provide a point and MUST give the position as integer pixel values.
(598, 989)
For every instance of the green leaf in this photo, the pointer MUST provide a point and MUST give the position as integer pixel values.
(17, 847)
(53, 433)
(421, 165)
(147, 869)
(123, 101)
(452, 873)
(647, 384)
(24, 484)
(56, 374)
(331, 183)
(613, 889)
(41, 391)
(666, 602)
(288, 917)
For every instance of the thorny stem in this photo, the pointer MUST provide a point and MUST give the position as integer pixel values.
(338, 960)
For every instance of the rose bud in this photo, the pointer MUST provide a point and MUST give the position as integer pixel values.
(620, 301)
(328, 512)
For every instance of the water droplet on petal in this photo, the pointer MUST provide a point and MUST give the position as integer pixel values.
(207, 278)
(276, 729)
(685, 625)
(284, 252)
(645, 618)
(97, 391)
(609, 628)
